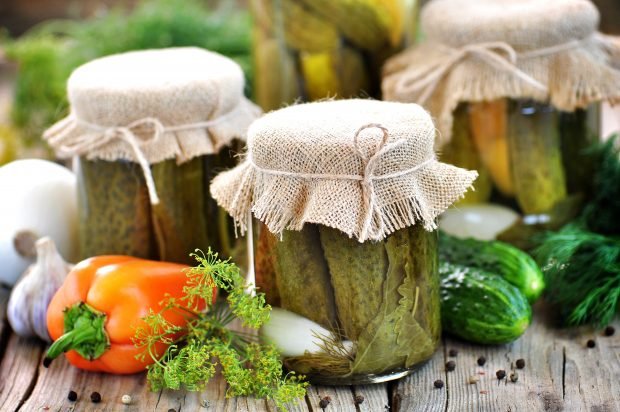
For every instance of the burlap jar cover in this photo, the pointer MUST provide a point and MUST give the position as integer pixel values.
(364, 167)
(156, 114)
(153, 105)
(489, 49)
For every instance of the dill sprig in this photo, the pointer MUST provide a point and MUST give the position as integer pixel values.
(192, 353)
(581, 262)
(582, 271)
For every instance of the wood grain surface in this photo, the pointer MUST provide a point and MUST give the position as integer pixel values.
(561, 374)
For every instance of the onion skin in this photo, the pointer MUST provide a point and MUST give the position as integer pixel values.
(38, 197)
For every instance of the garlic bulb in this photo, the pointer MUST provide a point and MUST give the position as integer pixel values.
(294, 335)
(30, 297)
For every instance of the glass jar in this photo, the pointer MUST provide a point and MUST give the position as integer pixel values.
(378, 301)
(314, 49)
(116, 217)
(529, 156)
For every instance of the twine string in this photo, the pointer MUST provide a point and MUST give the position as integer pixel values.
(500, 55)
(133, 135)
(372, 221)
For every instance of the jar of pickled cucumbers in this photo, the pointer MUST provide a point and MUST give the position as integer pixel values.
(515, 86)
(347, 193)
(149, 129)
(314, 49)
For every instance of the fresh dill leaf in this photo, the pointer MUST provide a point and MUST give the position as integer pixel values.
(194, 352)
(582, 271)
(601, 213)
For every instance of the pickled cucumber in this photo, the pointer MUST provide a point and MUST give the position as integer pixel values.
(179, 220)
(359, 21)
(265, 266)
(114, 208)
(276, 82)
(578, 131)
(320, 75)
(535, 156)
(302, 277)
(357, 271)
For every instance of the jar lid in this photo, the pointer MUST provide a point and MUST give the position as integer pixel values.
(169, 103)
(485, 50)
(524, 24)
(364, 167)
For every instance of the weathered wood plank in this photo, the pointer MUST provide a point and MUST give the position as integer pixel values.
(417, 393)
(18, 371)
(375, 397)
(539, 390)
(54, 384)
(592, 375)
(341, 398)
(560, 373)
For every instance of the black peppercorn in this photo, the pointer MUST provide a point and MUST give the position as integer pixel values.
(482, 360)
(501, 374)
(72, 396)
(324, 402)
(438, 384)
(453, 352)
(450, 366)
(95, 397)
(609, 331)
(172, 410)
(591, 343)
(359, 399)
(47, 362)
(520, 363)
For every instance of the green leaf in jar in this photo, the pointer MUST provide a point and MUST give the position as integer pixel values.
(395, 338)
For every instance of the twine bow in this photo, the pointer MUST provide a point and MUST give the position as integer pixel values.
(497, 54)
(372, 223)
(132, 134)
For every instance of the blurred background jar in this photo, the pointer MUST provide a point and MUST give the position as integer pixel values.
(516, 87)
(529, 156)
(313, 49)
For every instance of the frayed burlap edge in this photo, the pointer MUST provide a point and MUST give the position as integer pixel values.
(574, 78)
(182, 145)
(286, 203)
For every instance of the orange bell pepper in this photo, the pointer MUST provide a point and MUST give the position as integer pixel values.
(93, 316)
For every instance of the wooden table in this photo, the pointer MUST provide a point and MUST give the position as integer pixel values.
(561, 374)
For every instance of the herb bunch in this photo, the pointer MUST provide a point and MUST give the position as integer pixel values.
(581, 262)
(582, 271)
(194, 351)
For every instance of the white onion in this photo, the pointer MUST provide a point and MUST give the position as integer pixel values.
(37, 197)
(483, 221)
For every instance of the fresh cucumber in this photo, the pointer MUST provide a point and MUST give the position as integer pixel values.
(481, 307)
(512, 264)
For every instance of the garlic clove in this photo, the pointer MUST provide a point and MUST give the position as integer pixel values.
(293, 334)
(31, 296)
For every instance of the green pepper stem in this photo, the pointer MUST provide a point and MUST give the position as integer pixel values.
(84, 333)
